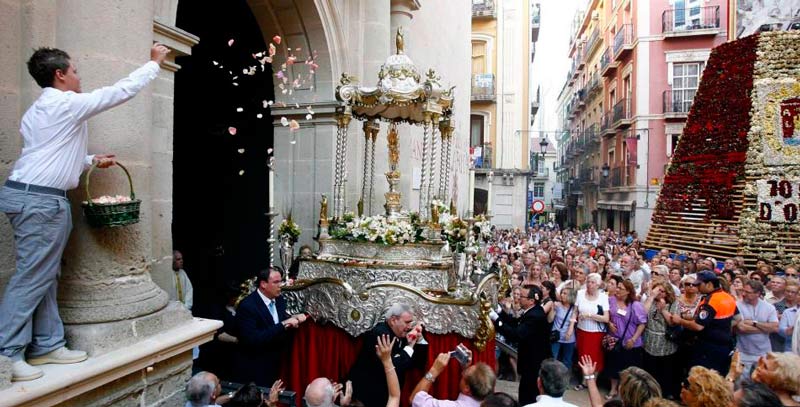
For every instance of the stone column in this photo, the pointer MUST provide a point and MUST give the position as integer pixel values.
(401, 17)
(376, 46)
(106, 295)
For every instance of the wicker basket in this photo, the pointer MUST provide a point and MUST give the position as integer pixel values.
(111, 215)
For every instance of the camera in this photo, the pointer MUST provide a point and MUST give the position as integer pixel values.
(461, 354)
(287, 397)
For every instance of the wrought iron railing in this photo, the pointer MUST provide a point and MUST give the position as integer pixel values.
(485, 8)
(623, 38)
(483, 87)
(621, 111)
(678, 101)
(690, 19)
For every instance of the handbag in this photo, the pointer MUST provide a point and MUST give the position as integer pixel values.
(555, 335)
(674, 333)
(610, 342)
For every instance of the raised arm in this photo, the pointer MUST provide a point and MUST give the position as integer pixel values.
(384, 351)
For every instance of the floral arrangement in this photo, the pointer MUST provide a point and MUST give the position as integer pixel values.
(456, 232)
(378, 229)
(482, 228)
(111, 200)
(289, 228)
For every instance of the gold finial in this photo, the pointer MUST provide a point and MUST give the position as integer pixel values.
(398, 41)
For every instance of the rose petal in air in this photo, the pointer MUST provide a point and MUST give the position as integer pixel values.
(230, 42)
(272, 50)
(284, 121)
(241, 172)
(258, 116)
(241, 151)
(239, 109)
(215, 63)
(276, 39)
(293, 125)
(232, 131)
(269, 151)
(309, 117)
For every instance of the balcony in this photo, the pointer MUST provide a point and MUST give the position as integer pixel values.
(541, 173)
(690, 21)
(581, 99)
(483, 88)
(605, 124)
(484, 9)
(677, 103)
(608, 65)
(623, 41)
(535, 105)
(616, 177)
(593, 134)
(593, 87)
(536, 13)
(482, 158)
(622, 114)
(592, 43)
(587, 176)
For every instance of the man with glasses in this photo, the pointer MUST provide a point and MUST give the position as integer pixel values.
(712, 322)
(791, 272)
(756, 320)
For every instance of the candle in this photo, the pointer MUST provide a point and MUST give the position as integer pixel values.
(271, 189)
(489, 197)
(471, 203)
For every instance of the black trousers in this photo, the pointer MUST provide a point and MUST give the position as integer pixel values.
(664, 370)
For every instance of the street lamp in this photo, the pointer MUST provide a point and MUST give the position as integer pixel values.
(605, 170)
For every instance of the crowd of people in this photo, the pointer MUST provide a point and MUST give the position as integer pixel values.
(660, 314)
(582, 307)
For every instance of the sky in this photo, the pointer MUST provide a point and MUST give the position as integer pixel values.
(551, 64)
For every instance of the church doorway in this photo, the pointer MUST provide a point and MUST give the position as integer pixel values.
(221, 140)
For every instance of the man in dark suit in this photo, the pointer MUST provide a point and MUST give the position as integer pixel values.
(531, 331)
(367, 373)
(263, 326)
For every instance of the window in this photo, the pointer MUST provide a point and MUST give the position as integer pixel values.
(685, 79)
(687, 14)
(673, 140)
(476, 130)
(538, 190)
(478, 57)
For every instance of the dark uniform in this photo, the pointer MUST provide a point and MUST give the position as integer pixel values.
(715, 342)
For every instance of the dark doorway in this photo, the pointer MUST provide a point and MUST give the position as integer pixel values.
(220, 179)
(481, 201)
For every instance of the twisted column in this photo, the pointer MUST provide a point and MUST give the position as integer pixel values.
(434, 153)
(367, 137)
(423, 187)
(340, 176)
(444, 177)
(372, 165)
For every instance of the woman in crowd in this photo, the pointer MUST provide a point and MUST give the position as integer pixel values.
(534, 275)
(705, 388)
(558, 274)
(611, 285)
(628, 319)
(780, 371)
(591, 318)
(659, 349)
(737, 287)
(549, 300)
(564, 324)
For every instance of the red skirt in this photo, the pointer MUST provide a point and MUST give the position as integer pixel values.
(591, 343)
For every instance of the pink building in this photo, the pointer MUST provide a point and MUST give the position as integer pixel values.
(648, 57)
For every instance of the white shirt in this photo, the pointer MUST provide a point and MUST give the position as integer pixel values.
(267, 301)
(589, 307)
(187, 290)
(547, 401)
(55, 133)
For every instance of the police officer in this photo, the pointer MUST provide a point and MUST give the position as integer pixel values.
(712, 323)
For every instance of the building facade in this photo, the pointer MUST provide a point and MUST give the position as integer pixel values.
(503, 104)
(636, 68)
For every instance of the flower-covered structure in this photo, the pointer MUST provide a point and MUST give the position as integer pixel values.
(733, 184)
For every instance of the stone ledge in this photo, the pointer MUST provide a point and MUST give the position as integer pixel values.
(64, 382)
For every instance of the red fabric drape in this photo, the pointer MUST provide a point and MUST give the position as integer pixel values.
(328, 351)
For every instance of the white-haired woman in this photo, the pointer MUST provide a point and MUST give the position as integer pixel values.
(591, 319)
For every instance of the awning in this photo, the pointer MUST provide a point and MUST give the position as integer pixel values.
(559, 207)
(617, 205)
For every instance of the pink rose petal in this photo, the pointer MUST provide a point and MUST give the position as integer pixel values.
(230, 42)
(293, 125)
(232, 131)
(276, 39)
